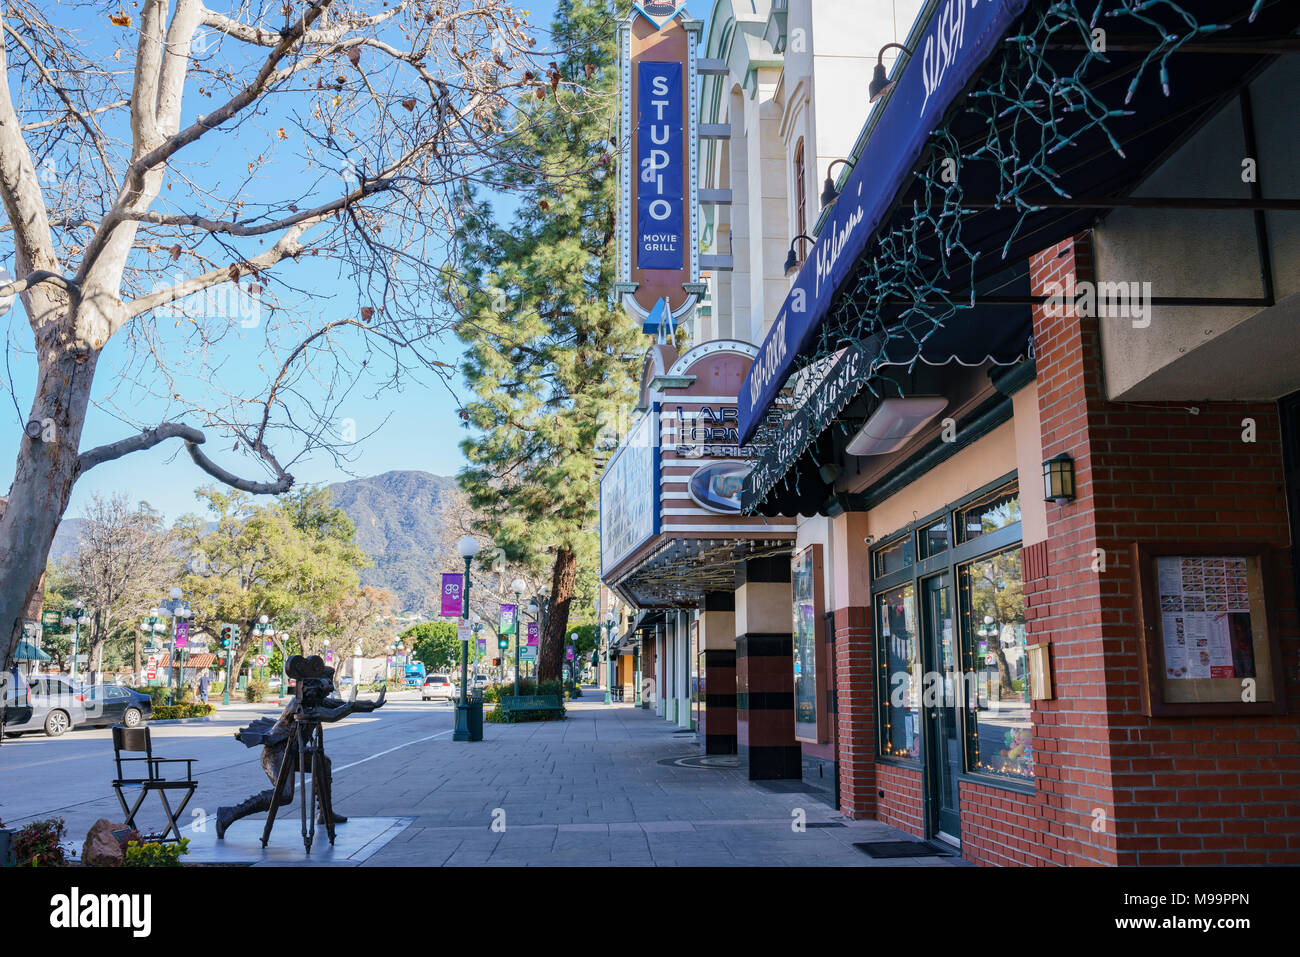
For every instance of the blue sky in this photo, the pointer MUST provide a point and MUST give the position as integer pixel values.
(422, 429)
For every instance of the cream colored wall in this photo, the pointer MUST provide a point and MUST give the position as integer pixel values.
(972, 467)
(1029, 463)
(763, 608)
(717, 630)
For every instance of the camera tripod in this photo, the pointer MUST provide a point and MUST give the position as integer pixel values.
(308, 757)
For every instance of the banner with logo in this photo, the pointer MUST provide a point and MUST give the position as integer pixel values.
(533, 634)
(452, 590)
(509, 616)
(182, 633)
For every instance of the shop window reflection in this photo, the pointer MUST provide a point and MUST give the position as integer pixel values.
(999, 726)
(900, 673)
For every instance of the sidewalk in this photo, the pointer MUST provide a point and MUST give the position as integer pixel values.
(600, 788)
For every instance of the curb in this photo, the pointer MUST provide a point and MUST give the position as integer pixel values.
(150, 721)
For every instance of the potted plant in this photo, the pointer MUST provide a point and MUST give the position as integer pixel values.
(6, 846)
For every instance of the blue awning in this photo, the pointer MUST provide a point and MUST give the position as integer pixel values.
(26, 651)
(958, 40)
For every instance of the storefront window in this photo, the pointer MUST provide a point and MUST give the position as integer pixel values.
(893, 557)
(996, 510)
(933, 539)
(900, 673)
(998, 724)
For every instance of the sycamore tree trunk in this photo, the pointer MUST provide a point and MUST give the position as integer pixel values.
(564, 574)
(46, 470)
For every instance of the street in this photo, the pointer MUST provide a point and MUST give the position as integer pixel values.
(69, 776)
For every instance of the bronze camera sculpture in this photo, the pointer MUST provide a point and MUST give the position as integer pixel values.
(296, 743)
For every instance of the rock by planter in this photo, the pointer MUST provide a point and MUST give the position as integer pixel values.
(101, 848)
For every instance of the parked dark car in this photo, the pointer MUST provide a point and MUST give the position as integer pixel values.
(114, 704)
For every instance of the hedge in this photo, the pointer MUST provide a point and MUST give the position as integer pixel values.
(163, 712)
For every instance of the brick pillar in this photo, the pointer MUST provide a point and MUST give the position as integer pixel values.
(718, 640)
(1117, 786)
(765, 670)
(855, 694)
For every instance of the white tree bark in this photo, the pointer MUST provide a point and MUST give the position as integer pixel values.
(87, 249)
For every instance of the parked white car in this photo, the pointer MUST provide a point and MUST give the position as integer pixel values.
(438, 686)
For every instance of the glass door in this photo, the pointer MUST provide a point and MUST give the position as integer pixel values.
(940, 700)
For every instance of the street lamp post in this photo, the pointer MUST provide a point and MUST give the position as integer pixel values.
(261, 630)
(518, 585)
(573, 640)
(610, 622)
(468, 548)
(174, 608)
(74, 617)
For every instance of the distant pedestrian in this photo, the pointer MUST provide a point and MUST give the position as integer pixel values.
(204, 682)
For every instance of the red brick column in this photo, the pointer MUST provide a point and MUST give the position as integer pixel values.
(1113, 785)
(855, 694)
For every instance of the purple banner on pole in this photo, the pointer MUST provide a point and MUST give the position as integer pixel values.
(508, 620)
(568, 652)
(482, 646)
(452, 588)
(182, 633)
(532, 633)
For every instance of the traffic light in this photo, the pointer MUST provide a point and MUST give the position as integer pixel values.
(225, 636)
(496, 662)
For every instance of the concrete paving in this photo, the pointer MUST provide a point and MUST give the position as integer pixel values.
(598, 789)
(606, 787)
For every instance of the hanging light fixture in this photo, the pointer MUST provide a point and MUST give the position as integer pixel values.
(792, 261)
(1058, 480)
(880, 82)
(829, 193)
(894, 423)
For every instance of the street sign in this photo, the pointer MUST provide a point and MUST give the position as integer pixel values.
(50, 619)
(261, 661)
(528, 653)
(152, 660)
(151, 675)
(463, 630)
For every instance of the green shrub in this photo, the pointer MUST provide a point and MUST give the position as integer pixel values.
(157, 693)
(156, 855)
(255, 691)
(217, 687)
(164, 711)
(37, 844)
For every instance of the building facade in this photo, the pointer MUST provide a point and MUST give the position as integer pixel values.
(1027, 399)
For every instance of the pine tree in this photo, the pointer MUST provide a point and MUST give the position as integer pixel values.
(551, 356)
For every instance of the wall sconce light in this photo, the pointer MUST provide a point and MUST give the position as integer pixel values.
(829, 193)
(880, 82)
(1058, 480)
(792, 260)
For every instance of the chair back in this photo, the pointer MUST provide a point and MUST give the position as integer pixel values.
(131, 739)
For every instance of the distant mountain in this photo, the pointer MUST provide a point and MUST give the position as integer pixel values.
(408, 523)
(66, 537)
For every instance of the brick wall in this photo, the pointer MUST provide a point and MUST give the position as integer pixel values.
(1164, 790)
(902, 804)
(856, 719)
(1003, 828)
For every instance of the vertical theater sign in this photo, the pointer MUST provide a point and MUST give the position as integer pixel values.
(659, 258)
